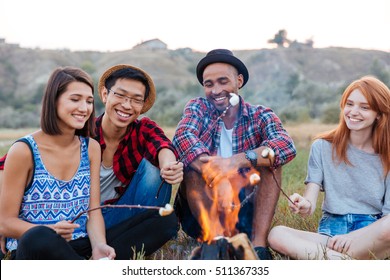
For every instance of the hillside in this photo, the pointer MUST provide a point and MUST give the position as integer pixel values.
(298, 83)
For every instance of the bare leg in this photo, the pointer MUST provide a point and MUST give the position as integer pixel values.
(303, 245)
(371, 242)
(265, 203)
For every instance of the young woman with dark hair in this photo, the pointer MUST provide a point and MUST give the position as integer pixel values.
(52, 175)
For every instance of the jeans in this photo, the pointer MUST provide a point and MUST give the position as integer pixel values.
(142, 190)
(332, 224)
(245, 216)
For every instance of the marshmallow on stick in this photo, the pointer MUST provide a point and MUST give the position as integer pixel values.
(268, 153)
(234, 99)
(165, 211)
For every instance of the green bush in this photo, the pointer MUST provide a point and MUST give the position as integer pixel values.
(330, 114)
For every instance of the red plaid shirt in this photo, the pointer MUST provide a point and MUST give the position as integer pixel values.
(2, 160)
(198, 132)
(144, 139)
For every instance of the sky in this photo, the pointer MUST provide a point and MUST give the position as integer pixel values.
(115, 25)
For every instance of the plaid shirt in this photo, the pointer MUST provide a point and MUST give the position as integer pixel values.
(2, 161)
(199, 131)
(144, 139)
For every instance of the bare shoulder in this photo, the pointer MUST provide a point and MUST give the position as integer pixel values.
(93, 148)
(20, 151)
(19, 155)
(94, 144)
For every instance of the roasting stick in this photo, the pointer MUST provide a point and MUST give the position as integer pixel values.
(163, 211)
(254, 179)
(269, 153)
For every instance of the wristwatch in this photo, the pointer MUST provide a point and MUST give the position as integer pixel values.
(252, 157)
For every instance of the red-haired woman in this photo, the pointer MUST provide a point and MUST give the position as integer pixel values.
(351, 165)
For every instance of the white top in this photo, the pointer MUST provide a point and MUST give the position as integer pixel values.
(225, 148)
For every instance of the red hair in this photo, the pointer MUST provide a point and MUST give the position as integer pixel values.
(378, 97)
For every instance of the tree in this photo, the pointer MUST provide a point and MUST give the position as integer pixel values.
(280, 39)
(292, 83)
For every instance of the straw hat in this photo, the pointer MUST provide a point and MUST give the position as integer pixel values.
(224, 56)
(152, 90)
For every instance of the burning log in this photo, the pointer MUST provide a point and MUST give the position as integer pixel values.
(237, 247)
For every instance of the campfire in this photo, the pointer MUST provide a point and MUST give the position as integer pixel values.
(218, 219)
(220, 239)
(220, 216)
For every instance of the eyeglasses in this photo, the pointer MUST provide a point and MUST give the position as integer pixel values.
(136, 102)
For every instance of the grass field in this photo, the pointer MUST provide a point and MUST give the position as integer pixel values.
(8, 136)
(292, 181)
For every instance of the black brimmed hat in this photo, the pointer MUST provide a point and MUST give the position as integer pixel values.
(222, 56)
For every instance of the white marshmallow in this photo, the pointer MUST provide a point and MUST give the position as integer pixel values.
(254, 179)
(268, 153)
(165, 211)
(234, 99)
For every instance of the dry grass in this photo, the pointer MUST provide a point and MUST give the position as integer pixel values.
(303, 133)
(13, 134)
(8, 136)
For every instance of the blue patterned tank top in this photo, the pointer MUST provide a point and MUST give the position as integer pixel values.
(48, 200)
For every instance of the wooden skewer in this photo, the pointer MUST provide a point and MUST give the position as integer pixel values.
(268, 155)
(119, 206)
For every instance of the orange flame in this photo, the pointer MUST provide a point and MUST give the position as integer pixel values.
(219, 216)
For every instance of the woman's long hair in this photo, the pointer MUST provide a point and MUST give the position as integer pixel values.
(378, 97)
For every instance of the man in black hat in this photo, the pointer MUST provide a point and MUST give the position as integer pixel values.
(220, 139)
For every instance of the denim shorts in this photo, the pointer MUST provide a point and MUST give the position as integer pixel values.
(332, 224)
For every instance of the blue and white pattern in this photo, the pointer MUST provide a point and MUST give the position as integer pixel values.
(48, 200)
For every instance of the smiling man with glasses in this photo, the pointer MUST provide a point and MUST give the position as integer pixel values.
(136, 154)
